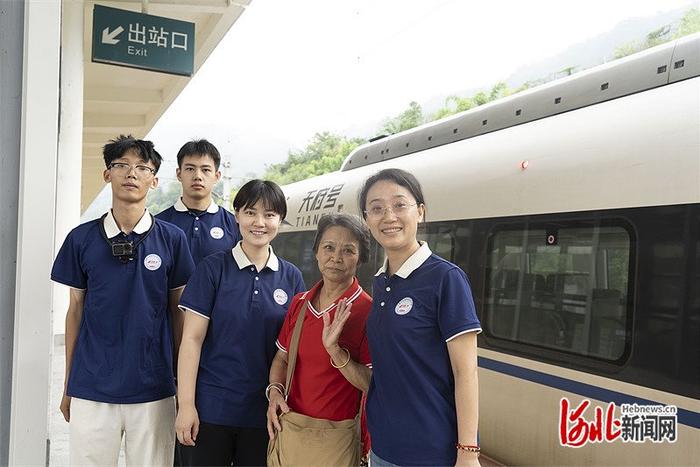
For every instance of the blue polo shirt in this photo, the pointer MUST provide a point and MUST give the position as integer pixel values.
(123, 353)
(245, 308)
(208, 232)
(411, 413)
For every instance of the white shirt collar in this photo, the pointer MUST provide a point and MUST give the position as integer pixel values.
(112, 229)
(351, 294)
(242, 260)
(411, 264)
(180, 207)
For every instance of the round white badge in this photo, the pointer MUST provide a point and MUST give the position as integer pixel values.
(404, 306)
(152, 262)
(216, 233)
(280, 296)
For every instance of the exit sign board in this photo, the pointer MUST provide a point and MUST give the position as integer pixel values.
(137, 40)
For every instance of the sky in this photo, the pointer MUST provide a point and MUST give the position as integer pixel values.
(289, 69)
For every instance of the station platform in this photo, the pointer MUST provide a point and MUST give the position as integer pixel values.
(58, 428)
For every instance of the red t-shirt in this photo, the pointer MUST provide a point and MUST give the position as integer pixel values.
(317, 389)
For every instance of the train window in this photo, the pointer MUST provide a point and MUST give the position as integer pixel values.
(570, 295)
(451, 240)
(297, 248)
(365, 272)
(441, 242)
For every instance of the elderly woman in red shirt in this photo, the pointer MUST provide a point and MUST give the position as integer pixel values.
(322, 398)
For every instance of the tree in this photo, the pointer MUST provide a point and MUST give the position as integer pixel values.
(324, 153)
(409, 118)
(532, 84)
(627, 49)
(456, 104)
(568, 71)
(652, 39)
(217, 193)
(499, 90)
(443, 112)
(480, 98)
(461, 103)
(163, 197)
(658, 36)
(689, 24)
(453, 105)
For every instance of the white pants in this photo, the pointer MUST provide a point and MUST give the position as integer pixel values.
(96, 430)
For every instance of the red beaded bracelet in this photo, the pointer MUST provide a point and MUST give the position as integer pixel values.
(468, 448)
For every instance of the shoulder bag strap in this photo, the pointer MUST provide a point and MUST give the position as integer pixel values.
(294, 347)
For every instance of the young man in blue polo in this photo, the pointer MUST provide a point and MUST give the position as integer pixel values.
(209, 228)
(126, 272)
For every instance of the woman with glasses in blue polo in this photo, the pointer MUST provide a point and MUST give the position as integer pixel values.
(422, 406)
(235, 304)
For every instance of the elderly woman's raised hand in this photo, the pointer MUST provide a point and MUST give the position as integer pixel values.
(333, 329)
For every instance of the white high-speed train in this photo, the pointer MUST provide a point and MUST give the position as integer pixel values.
(574, 208)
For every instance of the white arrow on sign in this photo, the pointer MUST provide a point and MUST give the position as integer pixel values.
(110, 37)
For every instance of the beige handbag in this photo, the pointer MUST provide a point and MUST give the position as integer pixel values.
(312, 441)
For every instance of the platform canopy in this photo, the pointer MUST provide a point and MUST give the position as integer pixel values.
(119, 100)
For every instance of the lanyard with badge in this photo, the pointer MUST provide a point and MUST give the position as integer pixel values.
(124, 250)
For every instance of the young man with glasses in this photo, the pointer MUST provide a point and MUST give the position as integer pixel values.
(126, 272)
(209, 228)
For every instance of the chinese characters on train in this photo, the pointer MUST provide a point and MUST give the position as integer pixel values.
(324, 199)
(636, 424)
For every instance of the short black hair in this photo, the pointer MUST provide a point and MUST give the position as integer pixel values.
(199, 147)
(355, 226)
(119, 146)
(255, 190)
(398, 176)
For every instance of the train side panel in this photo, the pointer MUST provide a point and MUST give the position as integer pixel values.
(624, 176)
(519, 418)
(638, 150)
